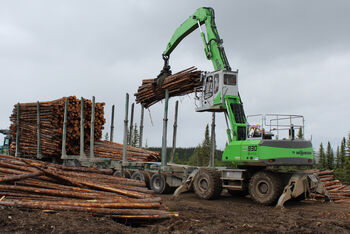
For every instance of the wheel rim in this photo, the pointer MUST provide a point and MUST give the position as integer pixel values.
(156, 183)
(262, 187)
(203, 184)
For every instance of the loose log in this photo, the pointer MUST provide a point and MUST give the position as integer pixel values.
(20, 177)
(105, 211)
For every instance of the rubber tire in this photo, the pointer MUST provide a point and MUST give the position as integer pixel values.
(158, 183)
(272, 184)
(118, 173)
(137, 175)
(207, 184)
(147, 177)
(127, 174)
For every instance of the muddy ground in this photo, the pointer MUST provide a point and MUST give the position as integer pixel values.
(225, 215)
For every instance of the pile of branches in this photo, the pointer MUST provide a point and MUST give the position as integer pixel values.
(107, 149)
(31, 184)
(337, 191)
(51, 124)
(181, 83)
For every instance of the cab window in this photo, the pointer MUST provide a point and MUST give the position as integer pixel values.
(230, 79)
(208, 91)
(216, 83)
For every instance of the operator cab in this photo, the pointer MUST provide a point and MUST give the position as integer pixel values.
(216, 85)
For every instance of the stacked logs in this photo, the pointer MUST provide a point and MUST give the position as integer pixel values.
(51, 124)
(337, 191)
(179, 84)
(32, 184)
(107, 149)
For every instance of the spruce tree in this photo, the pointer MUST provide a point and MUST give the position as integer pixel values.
(322, 157)
(300, 133)
(329, 156)
(201, 155)
(347, 148)
(347, 162)
(342, 153)
(135, 137)
(337, 158)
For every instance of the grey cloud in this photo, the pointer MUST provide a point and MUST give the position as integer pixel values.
(292, 55)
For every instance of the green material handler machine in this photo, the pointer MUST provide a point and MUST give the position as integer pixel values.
(250, 148)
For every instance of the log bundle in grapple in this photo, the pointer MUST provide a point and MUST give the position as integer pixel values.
(51, 126)
(152, 90)
(32, 184)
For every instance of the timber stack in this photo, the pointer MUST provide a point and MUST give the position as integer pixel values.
(337, 191)
(152, 90)
(32, 184)
(107, 149)
(51, 126)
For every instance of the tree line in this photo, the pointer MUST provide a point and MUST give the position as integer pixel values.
(338, 160)
(196, 156)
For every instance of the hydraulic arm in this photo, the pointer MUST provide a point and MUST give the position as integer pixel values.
(213, 48)
(220, 90)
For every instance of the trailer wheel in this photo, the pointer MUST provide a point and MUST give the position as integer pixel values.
(137, 175)
(265, 187)
(127, 174)
(118, 173)
(207, 184)
(158, 183)
(147, 177)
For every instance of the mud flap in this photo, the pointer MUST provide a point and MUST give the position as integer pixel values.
(301, 183)
(186, 184)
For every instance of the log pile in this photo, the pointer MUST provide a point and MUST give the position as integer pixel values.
(51, 124)
(179, 84)
(107, 149)
(337, 191)
(31, 184)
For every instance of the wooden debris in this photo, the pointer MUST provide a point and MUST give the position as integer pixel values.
(51, 126)
(92, 191)
(338, 192)
(107, 149)
(179, 84)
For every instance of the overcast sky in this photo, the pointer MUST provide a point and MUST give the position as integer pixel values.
(293, 58)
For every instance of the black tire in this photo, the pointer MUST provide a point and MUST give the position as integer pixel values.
(127, 174)
(137, 175)
(207, 184)
(265, 187)
(147, 177)
(158, 183)
(118, 173)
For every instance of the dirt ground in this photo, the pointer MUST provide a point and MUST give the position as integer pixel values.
(225, 215)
